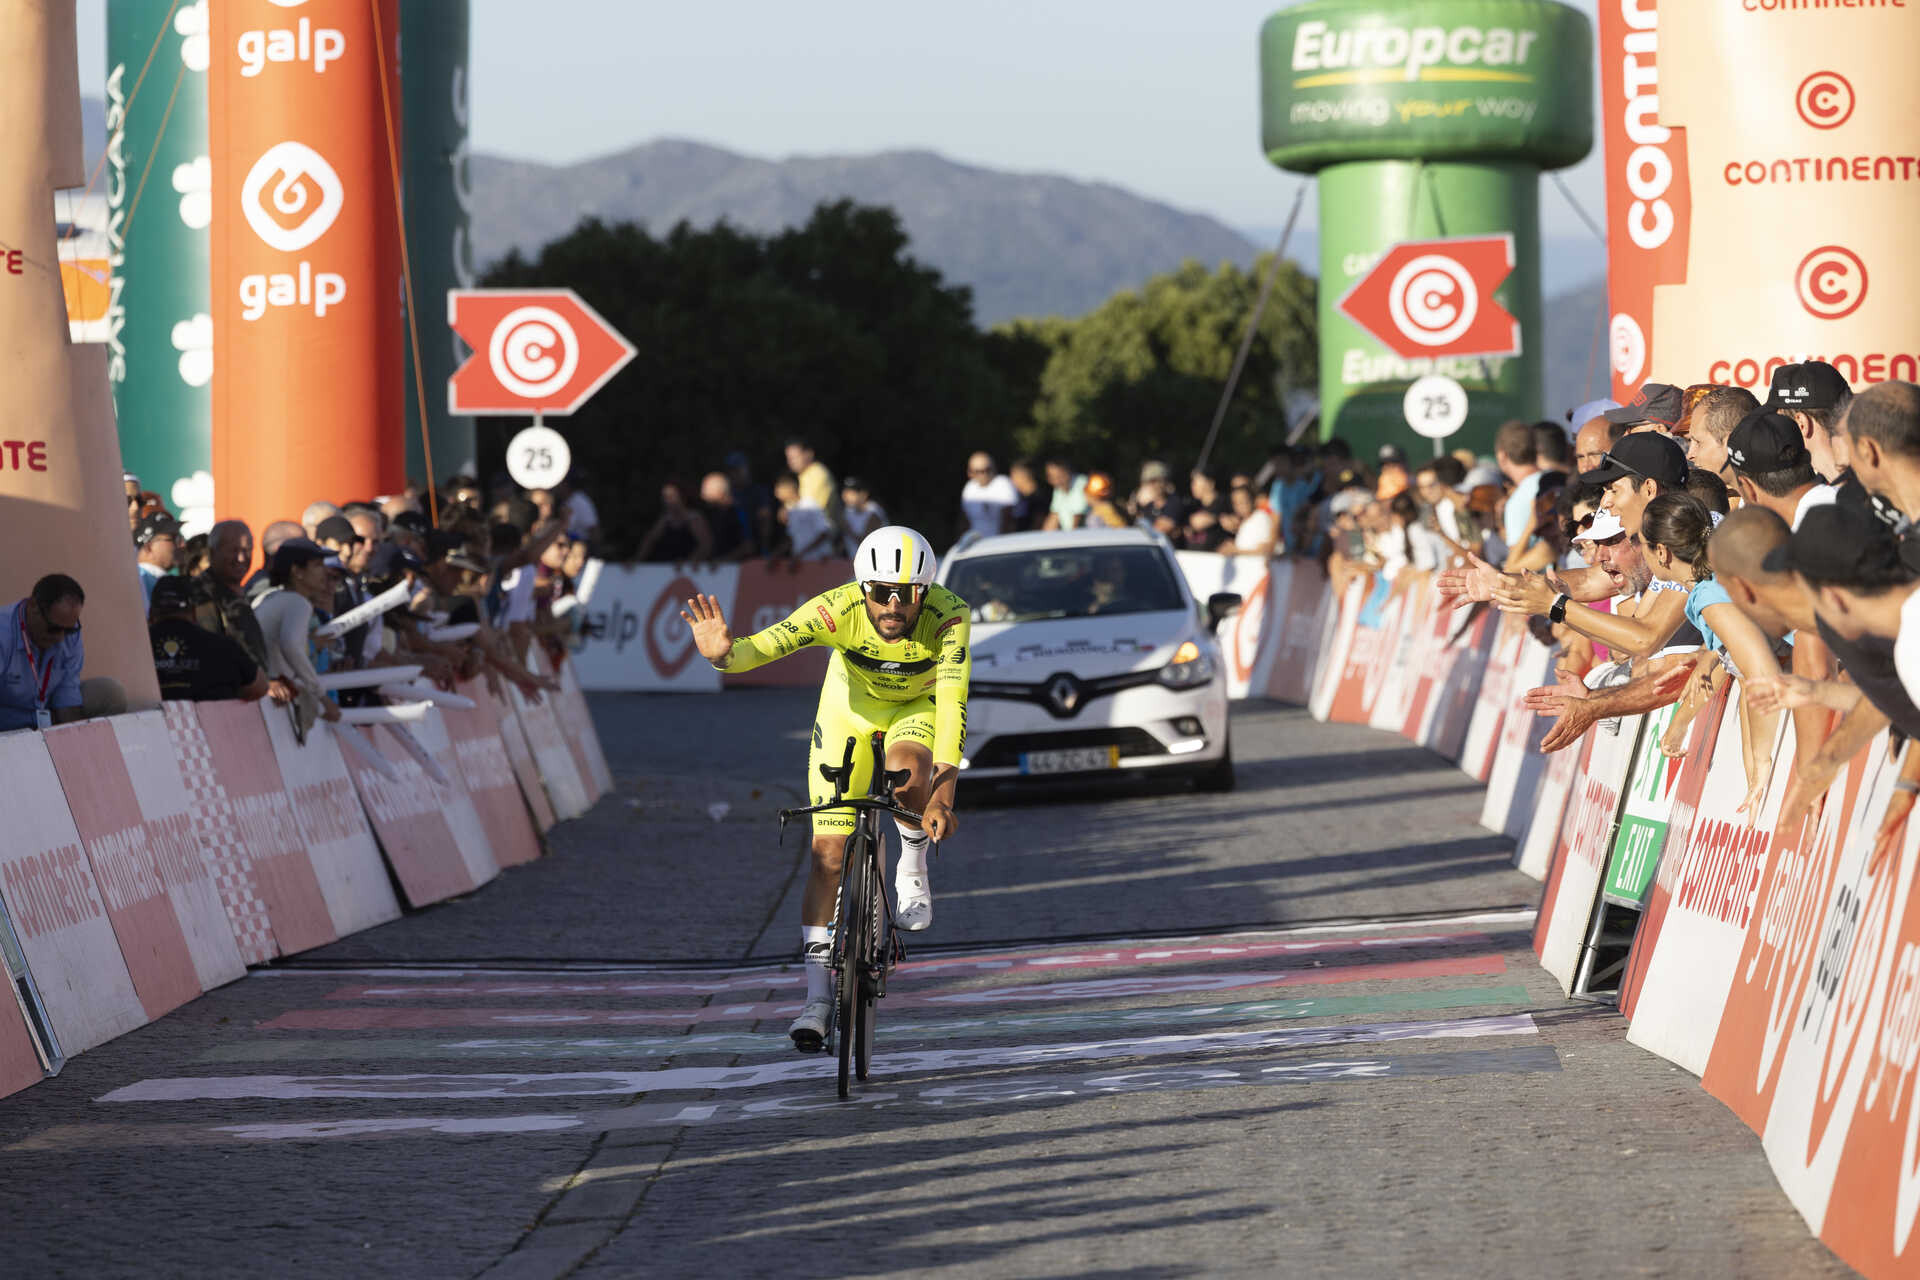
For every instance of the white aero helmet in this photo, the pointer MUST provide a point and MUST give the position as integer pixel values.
(894, 553)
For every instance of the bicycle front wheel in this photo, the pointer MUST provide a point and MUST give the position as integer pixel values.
(872, 961)
(855, 875)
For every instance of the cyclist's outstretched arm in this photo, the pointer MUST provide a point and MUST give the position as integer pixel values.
(809, 624)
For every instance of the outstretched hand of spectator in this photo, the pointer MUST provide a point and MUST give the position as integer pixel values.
(1552, 700)
(1782, 692)
(1472, 583)
(709, 623)
(1524, 593)
(1573, 725)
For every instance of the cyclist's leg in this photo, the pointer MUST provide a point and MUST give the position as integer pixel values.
(910, 747)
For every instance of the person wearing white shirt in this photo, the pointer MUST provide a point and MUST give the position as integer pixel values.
(988, 498)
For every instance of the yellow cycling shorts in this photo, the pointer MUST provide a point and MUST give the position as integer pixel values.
(847, 713)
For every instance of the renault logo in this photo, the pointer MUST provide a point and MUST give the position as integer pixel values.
(1063, 695)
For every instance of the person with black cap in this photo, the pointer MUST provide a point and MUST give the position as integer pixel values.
(302, 578)
(1657, 410)
(158, 540)
(1849, 566)
(1773, 469)
(1641, 467)
(1815, 397)
(194, 664)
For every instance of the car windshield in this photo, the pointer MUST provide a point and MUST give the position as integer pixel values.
(1075, 582)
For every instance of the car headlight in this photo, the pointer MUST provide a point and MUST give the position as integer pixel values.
(1189, 668)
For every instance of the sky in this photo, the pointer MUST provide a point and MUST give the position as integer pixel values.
(1159, 98)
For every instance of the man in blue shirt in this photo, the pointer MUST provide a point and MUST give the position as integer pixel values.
(41, 656)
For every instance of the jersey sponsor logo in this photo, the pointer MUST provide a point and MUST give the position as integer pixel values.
(888, 667)
(954, 621)
(825, 617)
(956, 655)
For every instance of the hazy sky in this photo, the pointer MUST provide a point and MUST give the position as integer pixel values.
(1156, 97)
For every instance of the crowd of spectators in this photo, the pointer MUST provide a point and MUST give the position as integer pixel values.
(495, 574)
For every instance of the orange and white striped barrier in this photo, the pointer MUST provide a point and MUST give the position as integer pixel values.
(480, 757)
(407, 817)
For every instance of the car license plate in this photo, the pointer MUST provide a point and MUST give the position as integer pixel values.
(1071, 760)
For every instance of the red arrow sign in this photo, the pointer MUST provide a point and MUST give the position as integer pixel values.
(534, 351)
(1430, 298)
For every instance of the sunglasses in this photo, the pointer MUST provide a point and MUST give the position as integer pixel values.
(888, 592)
(1577, 527)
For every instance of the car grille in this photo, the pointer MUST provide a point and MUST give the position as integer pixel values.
(1041, 695)
(1005, 751)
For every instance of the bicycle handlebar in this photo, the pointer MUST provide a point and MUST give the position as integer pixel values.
(854, 802)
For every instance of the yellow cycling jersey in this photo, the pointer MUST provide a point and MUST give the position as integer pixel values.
(929, 661)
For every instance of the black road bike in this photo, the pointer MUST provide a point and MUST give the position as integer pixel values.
(866, 945)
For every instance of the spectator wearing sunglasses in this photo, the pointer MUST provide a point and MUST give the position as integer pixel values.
(41, 655)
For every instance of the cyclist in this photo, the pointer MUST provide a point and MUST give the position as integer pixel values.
(900, 664)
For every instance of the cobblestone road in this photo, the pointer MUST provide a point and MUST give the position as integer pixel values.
(1292, 1030)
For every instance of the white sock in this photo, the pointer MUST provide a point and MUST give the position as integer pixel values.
(913, 853)
(816, 944)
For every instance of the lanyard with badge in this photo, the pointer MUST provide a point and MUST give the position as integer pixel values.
(42, 718)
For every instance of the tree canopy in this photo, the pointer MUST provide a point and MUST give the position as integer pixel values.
(833, 333)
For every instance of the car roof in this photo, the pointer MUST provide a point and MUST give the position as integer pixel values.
(1052, 540)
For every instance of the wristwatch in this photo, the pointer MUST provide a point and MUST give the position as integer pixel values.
(1558, 613)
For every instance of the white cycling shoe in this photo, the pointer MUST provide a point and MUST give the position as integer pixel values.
(809, 1030)
(916, 903)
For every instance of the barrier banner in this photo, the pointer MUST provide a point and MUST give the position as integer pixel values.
(1403, 659)
(166, 811)
(580, 716)
(1302, 632)
(1490, 706)
(1459, 680)
(1875, 1204)
(56, 905)
(340, 845)
(1822, 1060)
(406, 816)
(1330, 663)
(519, 753)
(1780, 950)
(635, 638)
(1696, 913)
(574, 728)
(457, 809)
(1573, 881)
(135, 879)
(1514, 777)
(1244, 641)
(766, 592)
(1534, 852)
(1431, 652)
(19, 1062)
(1644, 814)
(551, 754)
(217, 828)
(1364, 673)
(480, 751)
(266, 855)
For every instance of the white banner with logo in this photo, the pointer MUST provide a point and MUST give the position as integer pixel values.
(636, 639)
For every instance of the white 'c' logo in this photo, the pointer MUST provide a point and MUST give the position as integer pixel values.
(1433, 300)
(291, 196)
(522, 355)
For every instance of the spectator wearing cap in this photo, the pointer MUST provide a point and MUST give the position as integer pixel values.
(1514, 455)
(726, 523)
(1772, 467)
(1816, 398)
(41, 655)
(1068, 507)
(1657, 409)
(301, 587)
(194, 664)
(988, 498)
(1641, 467)
(860, 514)
(337, 534)
(1155, 504)
(1711, 421)
(158, 540)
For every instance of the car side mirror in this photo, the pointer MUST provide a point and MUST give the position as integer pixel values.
(1219, 605)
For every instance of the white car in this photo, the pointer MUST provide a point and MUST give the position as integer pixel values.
(1090, 658)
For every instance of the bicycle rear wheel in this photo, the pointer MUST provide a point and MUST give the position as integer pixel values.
(854, 876)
